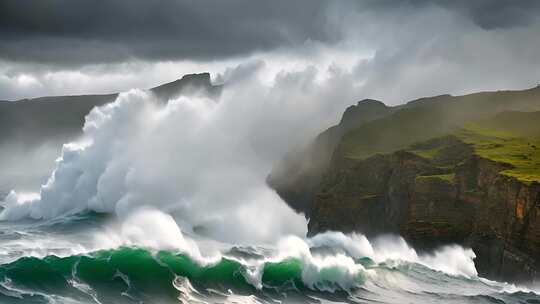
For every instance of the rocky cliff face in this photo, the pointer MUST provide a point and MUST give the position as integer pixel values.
(297, 177)
(188, 85)
(455, 196)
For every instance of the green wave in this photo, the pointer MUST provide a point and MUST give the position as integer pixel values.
(134, 275)
(137, 274)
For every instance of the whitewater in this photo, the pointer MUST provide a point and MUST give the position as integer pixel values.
(166, 202)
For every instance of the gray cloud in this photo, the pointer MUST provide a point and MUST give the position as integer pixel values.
(77, 32)
(493, 14)
(81, 31)
(398, 50)
(431, 49)
(487, 14)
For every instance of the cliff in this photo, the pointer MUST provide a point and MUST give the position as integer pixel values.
(188, 85)
(441, 170)
(298, 175)
(478, 186)
(371, 127)
(46, 118)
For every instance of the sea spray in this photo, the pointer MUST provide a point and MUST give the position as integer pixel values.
(186, 158)
(451, 259)
(203, 161)
(155, 230)
(354, 244)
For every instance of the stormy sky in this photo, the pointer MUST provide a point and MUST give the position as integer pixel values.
(396, 50)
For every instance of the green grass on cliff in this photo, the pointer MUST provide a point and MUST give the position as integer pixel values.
(434, 117)
(449, 178)
(512, 138)
(429, 153)
(522, 153)
(396, 132)
(506, 129)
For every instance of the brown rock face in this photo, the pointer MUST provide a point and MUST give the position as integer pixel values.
(506, 220)
(456, 197)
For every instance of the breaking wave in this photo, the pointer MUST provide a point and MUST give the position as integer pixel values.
(294, 273)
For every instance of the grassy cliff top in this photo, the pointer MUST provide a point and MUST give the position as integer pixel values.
(512, 138)
(435, 117)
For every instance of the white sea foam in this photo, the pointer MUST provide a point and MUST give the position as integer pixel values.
(326, 272)
(342, 270)
(187, 159)
(452, 260)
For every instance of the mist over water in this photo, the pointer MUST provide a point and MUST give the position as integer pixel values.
(183, 186)
(202, 161)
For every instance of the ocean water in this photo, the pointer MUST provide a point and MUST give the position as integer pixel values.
(56, 261)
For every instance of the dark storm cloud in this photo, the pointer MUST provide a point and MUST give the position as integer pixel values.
(82, 31)
(74, 32)
(488, 14)
(493, 14)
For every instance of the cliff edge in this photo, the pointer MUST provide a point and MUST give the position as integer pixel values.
(447, 170)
